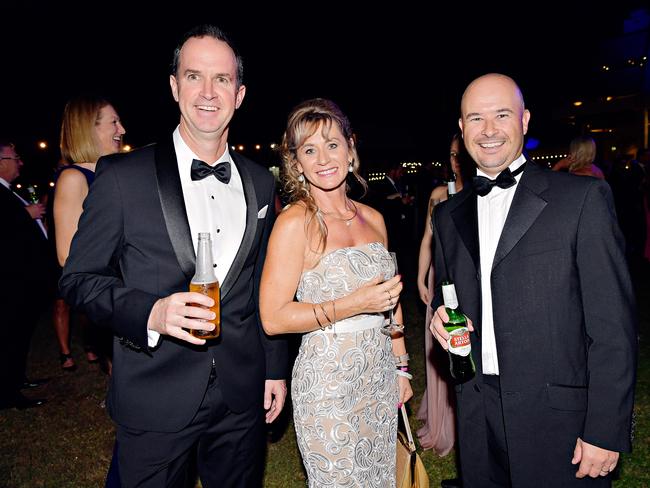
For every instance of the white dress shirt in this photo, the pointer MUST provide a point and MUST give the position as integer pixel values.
(211, 206)
(7, 185)
(492, 212)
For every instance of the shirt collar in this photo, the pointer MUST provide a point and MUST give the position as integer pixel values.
(5, 183)
(184, 156)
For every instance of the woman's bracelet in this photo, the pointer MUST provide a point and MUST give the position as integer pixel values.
(402, 358)
(329, 321)
(320, 326)
(406, 375)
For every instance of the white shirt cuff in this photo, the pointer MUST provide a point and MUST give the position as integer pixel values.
(152, 338)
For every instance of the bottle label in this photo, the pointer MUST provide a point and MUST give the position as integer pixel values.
(459, 342)
(449, 296)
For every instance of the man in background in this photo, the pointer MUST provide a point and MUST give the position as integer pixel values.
(24, 280)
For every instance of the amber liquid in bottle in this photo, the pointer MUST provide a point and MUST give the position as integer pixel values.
(213, 291)
(205, 282)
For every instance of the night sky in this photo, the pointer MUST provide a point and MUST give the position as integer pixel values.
(398, 73)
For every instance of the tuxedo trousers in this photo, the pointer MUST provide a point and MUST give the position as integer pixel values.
(18, 323)
(229, 448)
(492, 466)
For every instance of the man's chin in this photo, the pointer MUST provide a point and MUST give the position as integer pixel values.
(492, 166)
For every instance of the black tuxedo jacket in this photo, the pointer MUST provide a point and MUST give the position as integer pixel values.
(26, 265)
(564, 321)
(133, 247)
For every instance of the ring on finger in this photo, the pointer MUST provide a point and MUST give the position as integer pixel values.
(390, 297)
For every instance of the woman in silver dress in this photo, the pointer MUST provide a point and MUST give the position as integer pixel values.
(329, 252)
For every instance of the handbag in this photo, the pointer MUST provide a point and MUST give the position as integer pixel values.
(410, 469)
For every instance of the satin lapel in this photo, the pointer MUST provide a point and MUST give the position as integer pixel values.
(466, 221)
(173, 207)
(526, 206)
(251, 225)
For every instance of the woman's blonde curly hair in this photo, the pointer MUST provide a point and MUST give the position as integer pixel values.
(304, 120)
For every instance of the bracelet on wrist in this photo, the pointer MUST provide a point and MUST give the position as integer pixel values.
(320, 325)
(406, 375)
(402, 358)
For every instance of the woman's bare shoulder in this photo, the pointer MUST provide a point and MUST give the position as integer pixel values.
(292, 218)
(439, 193)
(72, 178)
(71, 186)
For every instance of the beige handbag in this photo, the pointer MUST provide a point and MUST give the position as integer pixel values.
(410, 469)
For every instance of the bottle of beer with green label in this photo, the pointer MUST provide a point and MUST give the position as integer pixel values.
(461, 363)
(31, 192)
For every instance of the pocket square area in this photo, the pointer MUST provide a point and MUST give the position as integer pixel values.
(262, 212)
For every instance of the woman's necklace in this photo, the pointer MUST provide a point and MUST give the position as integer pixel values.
(347, 221)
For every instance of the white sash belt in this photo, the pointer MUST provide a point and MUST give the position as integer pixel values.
(355, 324)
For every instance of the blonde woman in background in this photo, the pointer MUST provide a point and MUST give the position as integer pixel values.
(582, 152)
(90, 129)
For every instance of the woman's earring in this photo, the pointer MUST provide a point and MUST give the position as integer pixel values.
(301, 178)
(351, 167)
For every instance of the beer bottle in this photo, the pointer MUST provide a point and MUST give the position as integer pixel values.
(31, 192)
(205, 282)
(451, 186)
(461, 363)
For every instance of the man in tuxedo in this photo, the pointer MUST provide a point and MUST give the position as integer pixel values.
(25, 281)
(538, 263)
(130, 265)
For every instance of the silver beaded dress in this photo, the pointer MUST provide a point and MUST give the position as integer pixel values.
(344, 387)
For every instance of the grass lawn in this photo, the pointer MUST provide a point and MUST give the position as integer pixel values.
(68, 442)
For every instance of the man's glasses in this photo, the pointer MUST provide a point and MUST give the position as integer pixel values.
(17, 158)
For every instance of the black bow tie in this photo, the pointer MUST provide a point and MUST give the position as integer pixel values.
(202, 170)
(506, 179)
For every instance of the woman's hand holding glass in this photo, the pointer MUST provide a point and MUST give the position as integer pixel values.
(378, 296)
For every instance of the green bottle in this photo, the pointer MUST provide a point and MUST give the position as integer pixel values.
(461, 363)
(31, 192)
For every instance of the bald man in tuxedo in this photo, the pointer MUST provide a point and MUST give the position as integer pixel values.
(538, 262)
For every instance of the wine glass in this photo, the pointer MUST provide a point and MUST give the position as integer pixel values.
(392, 327)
